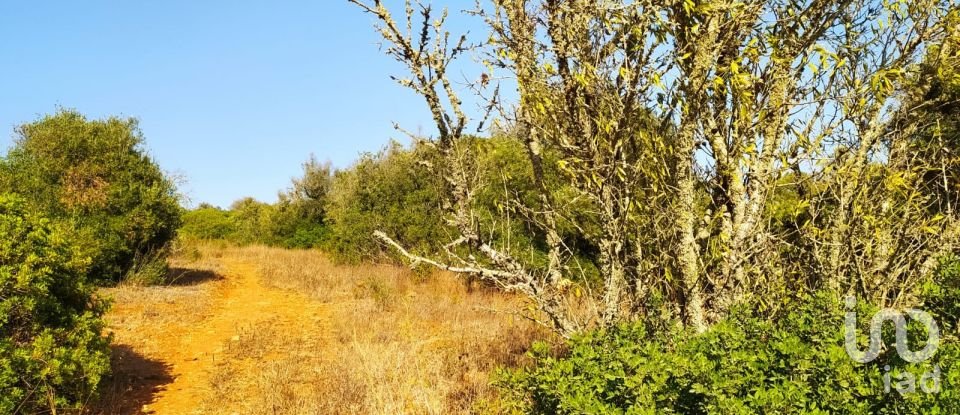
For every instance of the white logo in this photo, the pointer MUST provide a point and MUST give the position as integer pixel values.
(906, 382)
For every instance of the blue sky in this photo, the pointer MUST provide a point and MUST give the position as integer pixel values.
(232, 95)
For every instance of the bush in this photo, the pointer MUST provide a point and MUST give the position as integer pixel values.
(254, 221)
(150, 269)
(208, 223)
(94, 177)
(305, 235)
(393, 191)
(743, 365)
(941, 294)
(51, 350)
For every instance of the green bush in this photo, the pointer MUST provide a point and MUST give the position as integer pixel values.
(95, 177)
(51, 350)
(208, 223)
(305, 234)
(398, 191)
(743, 365)
(393, 191)
(941, 294)
(297, 220)
(253, 222)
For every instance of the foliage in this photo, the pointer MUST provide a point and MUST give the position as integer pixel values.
(674, 126)
(941, 294)
(301, 219)
(745, 364)
(310, 192)
(297, 220)
(208, 223)
(253, 221)
(935, 91)
(52, 354)
(391, 190)
(95, 177)
(397, 189)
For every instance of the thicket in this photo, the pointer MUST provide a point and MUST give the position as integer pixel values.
(396, 190)
(733, 169)
(52, 352)
(338, 210)
(748, 363)
(95, 178)
(81, 204)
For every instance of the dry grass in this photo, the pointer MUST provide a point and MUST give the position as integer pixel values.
(329, 338)
(389, 342)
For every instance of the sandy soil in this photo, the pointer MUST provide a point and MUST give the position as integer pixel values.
(167, 339)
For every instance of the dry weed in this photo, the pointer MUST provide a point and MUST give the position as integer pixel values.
(393, 342)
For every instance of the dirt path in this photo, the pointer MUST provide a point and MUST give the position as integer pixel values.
(188, 352)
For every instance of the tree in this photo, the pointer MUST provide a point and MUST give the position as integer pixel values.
(309, 194)
(676, 121)
(300, 219)
(934, 91)
(95, 176)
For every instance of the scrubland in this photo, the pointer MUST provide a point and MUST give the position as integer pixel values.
(347, 339)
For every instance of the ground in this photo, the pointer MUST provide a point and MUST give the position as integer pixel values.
(271, 331)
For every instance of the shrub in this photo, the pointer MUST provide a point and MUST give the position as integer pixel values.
(796, 364)
(393, 191)
(306, 234)
(94, 177)
(51, 352)
(941, 294)
(208, 223)
(149, 269)
(253, 220)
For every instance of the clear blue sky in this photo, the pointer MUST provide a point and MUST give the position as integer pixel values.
(232, 95)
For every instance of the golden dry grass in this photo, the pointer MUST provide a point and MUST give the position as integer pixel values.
(317, 338)
(391, 342)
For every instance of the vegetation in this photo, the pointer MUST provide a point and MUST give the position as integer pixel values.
(745, 364)
(795, 363)
(724, 161)
(687, 193)
(80, 204)
(396, 190)
(52, 354)
(94, 177)
(675, 124)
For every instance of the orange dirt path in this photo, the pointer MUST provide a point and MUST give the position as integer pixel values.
(239, 302)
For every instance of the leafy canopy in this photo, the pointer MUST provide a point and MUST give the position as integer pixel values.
(95, 177)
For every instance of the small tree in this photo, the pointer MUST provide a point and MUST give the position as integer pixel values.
(96, 177)
(310, 192)
(253, 220)
(300, 218)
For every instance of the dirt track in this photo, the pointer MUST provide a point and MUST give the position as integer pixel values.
(164, 362)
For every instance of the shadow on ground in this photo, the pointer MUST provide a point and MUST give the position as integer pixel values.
(134, 383)
(177, 276)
